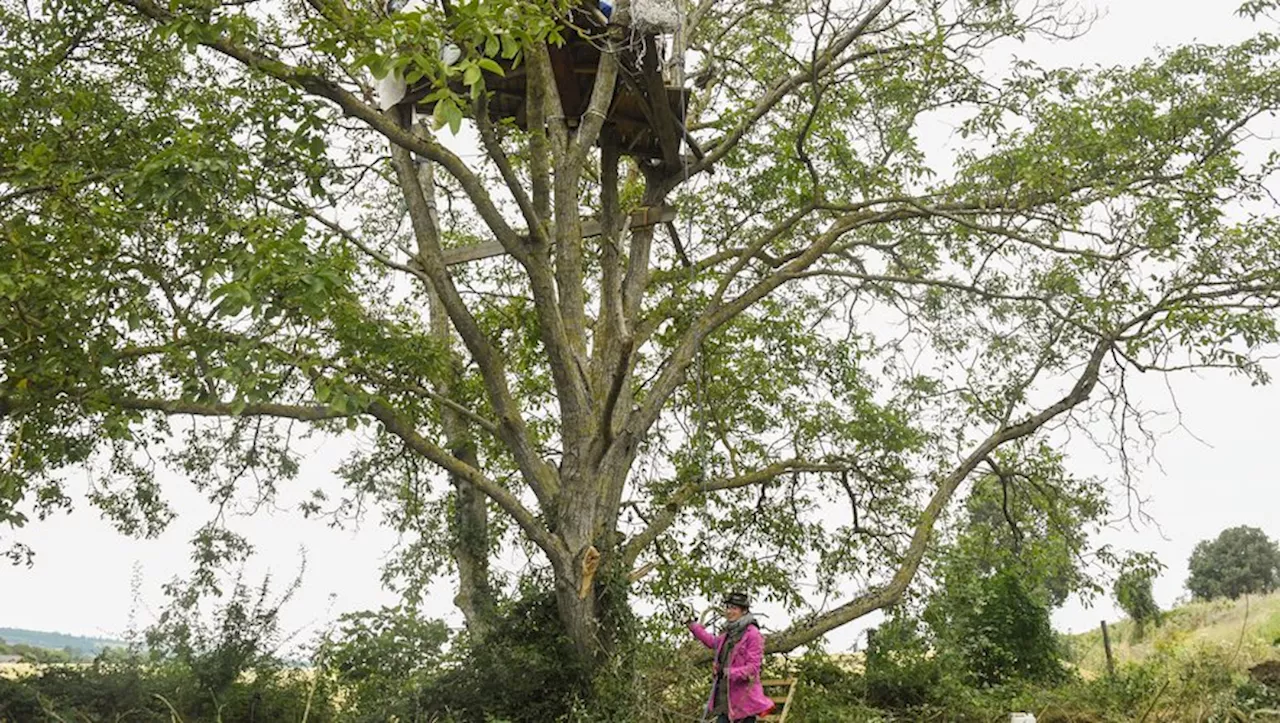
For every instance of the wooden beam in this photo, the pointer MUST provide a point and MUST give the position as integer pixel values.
(664, 118)
(640, 218)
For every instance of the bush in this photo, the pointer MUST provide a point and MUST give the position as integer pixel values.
(1241, 561)
(142, 692)
(392, 665)
(826, 692)
(901, 669)
(382, 661)
(998, 631)
(523, 670)
(221, 668)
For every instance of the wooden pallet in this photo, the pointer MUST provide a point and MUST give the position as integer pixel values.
(780, 691)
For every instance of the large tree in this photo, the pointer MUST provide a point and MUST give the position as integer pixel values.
(215, 240)
(1239, 561)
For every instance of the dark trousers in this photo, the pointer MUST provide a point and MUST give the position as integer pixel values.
(724, 718)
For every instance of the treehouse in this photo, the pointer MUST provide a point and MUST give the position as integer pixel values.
(645, 117)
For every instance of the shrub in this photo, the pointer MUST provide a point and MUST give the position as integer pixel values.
(142, 692)
(901, 670)
(998, 631)
(382, 660)
(523, 670)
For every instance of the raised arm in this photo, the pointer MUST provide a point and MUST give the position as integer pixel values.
(702, 635)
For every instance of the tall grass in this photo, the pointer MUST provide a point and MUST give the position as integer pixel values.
(1246, 630)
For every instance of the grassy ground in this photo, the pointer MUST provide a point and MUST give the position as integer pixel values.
(1248, 630)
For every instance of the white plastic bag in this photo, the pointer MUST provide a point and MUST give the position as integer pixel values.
(391, 89)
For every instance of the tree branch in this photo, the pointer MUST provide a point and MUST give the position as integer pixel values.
(671, 509)
(825, 62)
(536, 531)
(809, 630)
(394, 424)
(511, 425)
(306, 413)
(323, 87)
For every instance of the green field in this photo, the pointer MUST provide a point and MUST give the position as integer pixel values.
(1246, 630)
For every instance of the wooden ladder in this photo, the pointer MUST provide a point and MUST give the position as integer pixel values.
(780, 691)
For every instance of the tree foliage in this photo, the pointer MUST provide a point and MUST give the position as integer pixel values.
(1031, 516)
(1240, 561)
(215, 244)
(1133, 592)
(1021, 548)
(1009, 636)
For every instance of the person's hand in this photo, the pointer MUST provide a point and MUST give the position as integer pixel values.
(685, 614)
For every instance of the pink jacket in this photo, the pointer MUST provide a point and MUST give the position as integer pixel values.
(746, 696)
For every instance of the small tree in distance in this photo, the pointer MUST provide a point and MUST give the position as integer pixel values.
(1134, 595)
(1241, 561)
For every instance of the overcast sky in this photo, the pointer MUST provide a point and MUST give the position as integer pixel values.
(1217, 472)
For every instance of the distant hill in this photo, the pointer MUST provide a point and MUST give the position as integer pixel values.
(1246, 629)
(79, 645)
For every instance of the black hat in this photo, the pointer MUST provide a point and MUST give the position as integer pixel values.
(738, 599)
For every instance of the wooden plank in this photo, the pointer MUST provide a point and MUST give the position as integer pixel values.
(786, 707)
(464, 254)
(664, 118)
(789, 686)
(640, 218)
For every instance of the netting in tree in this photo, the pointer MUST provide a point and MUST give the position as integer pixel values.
(655, 16)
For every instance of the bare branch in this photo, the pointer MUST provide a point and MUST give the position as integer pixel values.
(511, 425)
(537, 532)
(824, 63)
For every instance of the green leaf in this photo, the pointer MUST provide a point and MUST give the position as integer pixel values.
(471, 76)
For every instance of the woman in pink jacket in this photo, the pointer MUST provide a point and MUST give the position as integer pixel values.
(736, 694)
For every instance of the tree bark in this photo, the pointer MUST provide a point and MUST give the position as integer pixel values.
(469, 523)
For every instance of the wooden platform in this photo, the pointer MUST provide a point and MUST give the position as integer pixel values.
(644, 110)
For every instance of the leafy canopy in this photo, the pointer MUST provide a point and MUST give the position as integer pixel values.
(1240, 561)
(215, 245)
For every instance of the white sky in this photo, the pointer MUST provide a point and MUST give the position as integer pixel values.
(81, 582)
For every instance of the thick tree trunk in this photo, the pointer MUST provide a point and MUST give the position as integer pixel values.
(575, 584)
(587, 599)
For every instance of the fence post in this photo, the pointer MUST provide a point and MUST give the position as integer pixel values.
(1106, 644)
